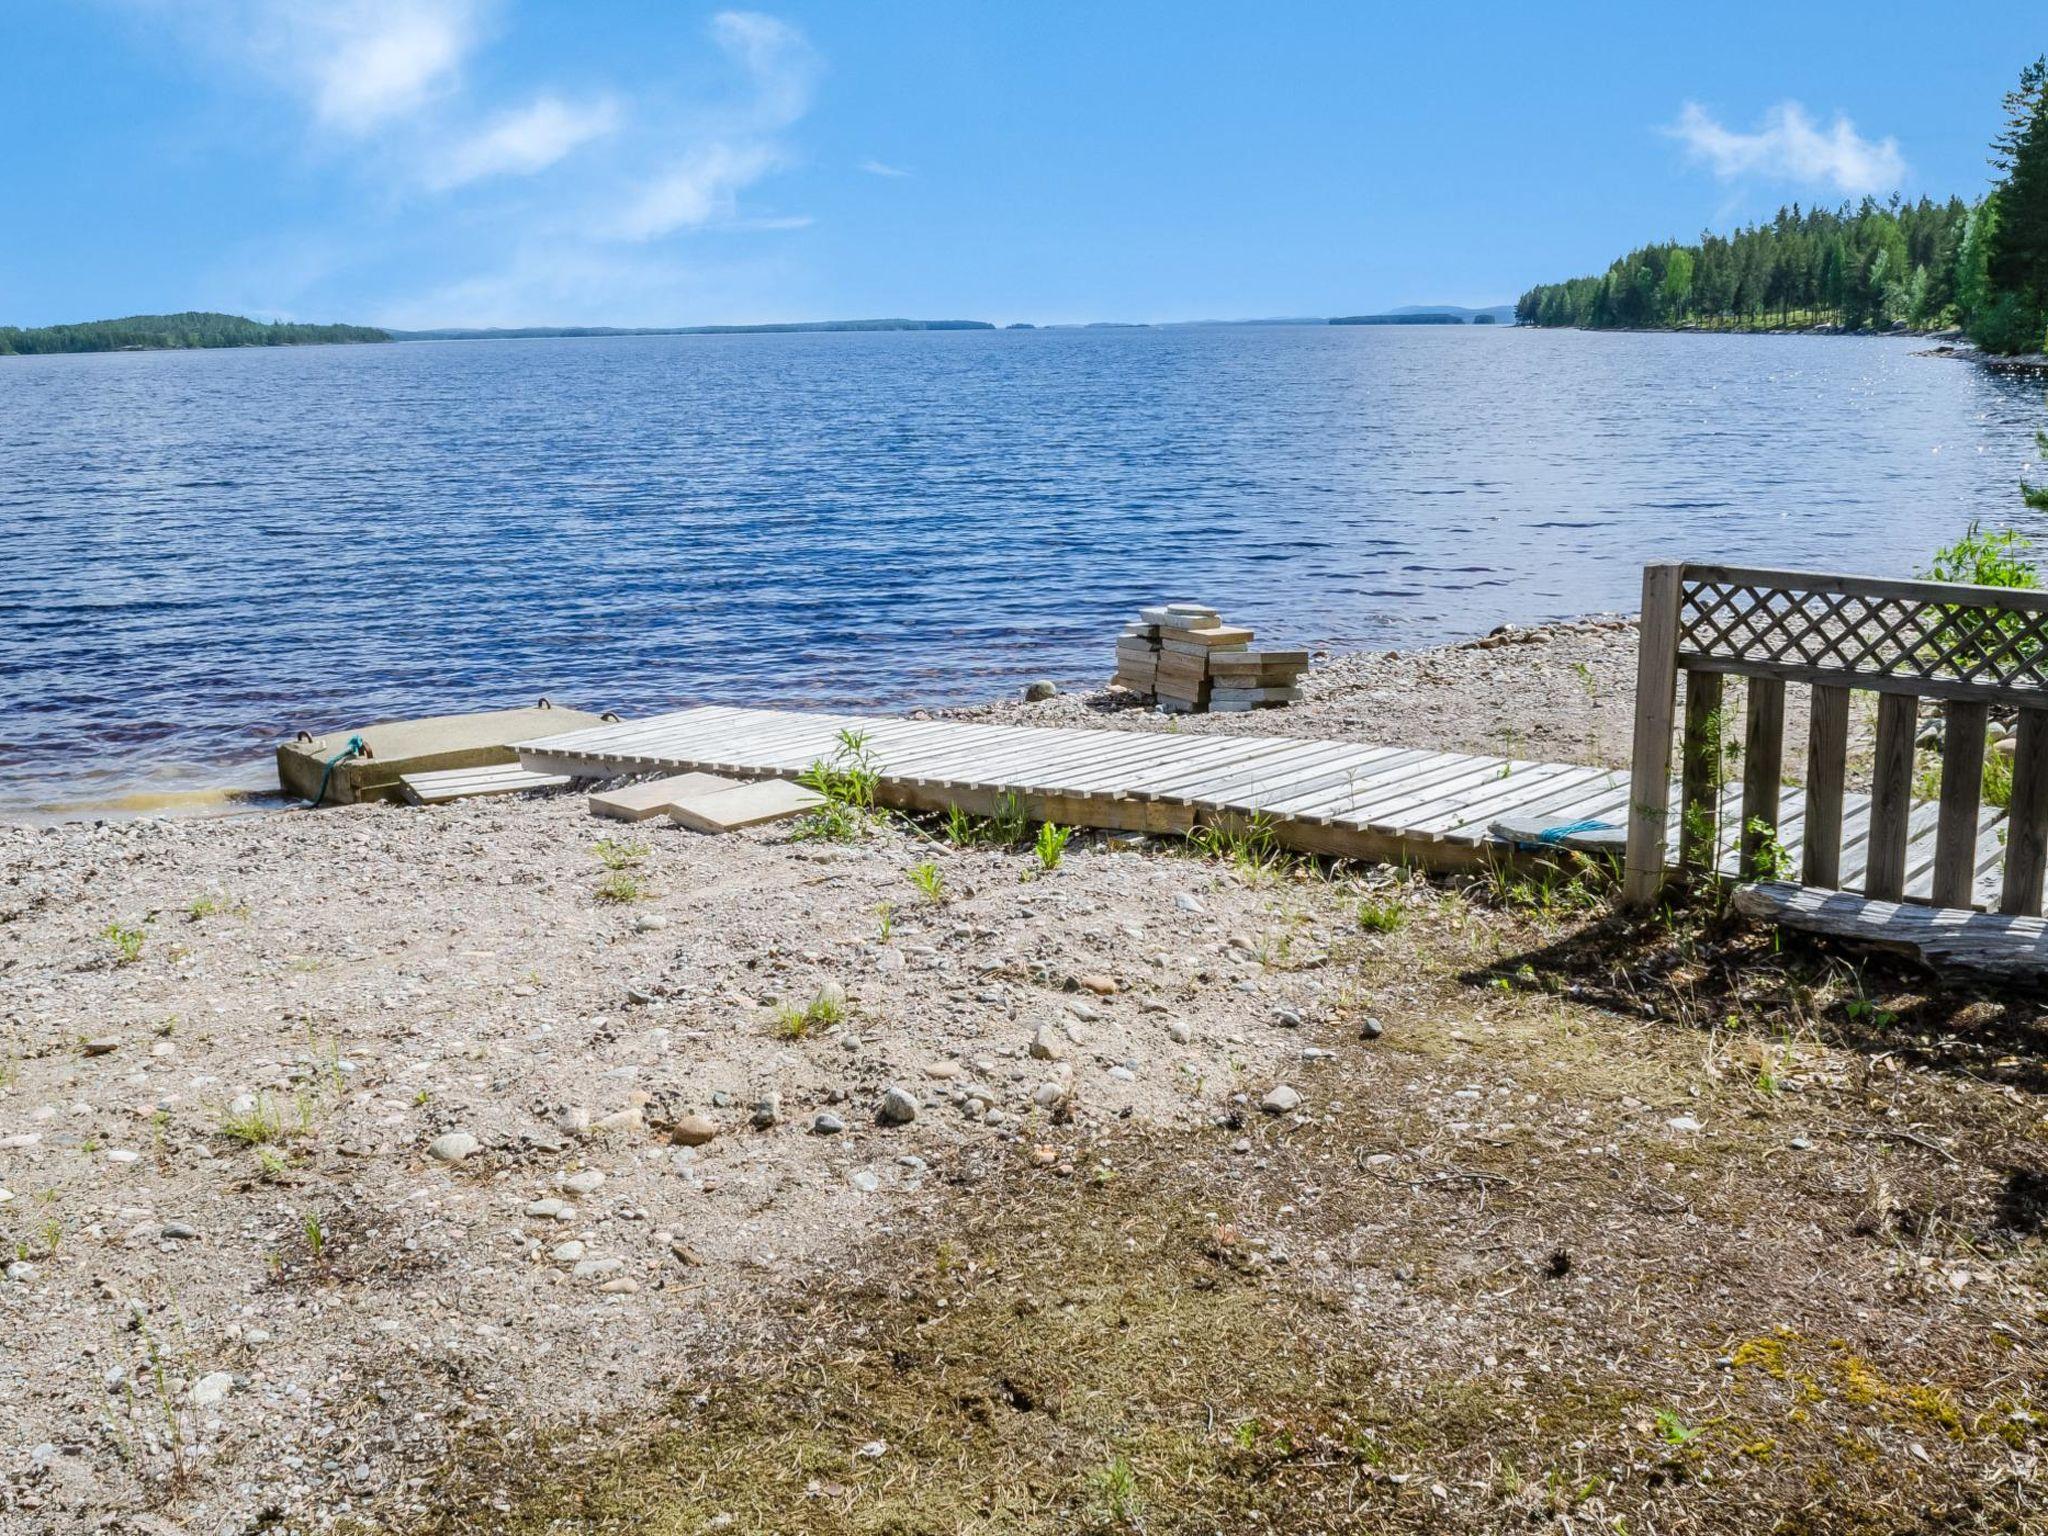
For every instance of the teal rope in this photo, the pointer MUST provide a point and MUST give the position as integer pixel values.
(356, 747)
(1572, 829)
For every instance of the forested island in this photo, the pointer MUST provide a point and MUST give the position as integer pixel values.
(194, 328)
(1869, 267)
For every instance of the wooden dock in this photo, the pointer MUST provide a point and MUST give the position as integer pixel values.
(1338, 798)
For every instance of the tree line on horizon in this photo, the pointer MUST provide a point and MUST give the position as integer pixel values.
(193, 328)
(1871, 266)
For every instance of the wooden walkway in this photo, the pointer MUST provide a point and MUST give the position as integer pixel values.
(1345, 799)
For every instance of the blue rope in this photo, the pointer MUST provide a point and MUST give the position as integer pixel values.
(1572, 829)
(356, 747)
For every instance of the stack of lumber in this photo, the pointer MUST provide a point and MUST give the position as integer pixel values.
(1186, 659)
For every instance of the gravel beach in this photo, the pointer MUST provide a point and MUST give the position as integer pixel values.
(332, 1143)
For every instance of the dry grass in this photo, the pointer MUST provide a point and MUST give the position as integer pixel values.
(1486, 1287)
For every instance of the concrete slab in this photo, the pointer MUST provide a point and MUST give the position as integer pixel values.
(399, 747)
(747, 805)
(637, 802)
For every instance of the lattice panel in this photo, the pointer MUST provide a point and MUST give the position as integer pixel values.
(1851, 636)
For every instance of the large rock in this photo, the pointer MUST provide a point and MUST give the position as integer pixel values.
(898, 1107)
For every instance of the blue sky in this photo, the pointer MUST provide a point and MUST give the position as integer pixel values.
(480, 162)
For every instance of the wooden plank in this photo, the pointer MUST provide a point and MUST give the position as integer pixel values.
(2026, 819)
(1536, 789)
(1874, 682)
(1942, 937)
(1891, 798)
(1962, 790)
(1341, 786)
(1827, 767)
(1949, 593)
(473, 783)
(1700, 759)
(1763, 766)
(1650, 755)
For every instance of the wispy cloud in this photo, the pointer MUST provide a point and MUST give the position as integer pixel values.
(389, 97)
(1789, 147)
(701, 183)
(880, 168)
(525, 142)
(356, 65)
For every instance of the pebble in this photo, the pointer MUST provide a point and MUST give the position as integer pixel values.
(1281, 1100)
(1100, 985)
(1123, 1074)
(212, 1388)
(898, 1107)
(1287, 1018)
(1683, 1123)
(582, 1183)
(627, 1119)
(452, 1146)
(551, 1209)
(1180, 1032)
(1371, 1029)
(1047, 1046)
(1801, 1144)
(767, 1111)
(1040, 689)
(866, 1180)
(890, 961)
(181, 1232)
(1185, 902)
(20, 1271)
(573, 1120)
(105, 1045)
(649, 922)
(691, 1131)
(827, 1125)
(569, 1252)
(593, 1269)
(625, 1285)
(831, 995)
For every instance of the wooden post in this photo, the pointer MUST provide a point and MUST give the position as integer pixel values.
(1891, 796)
(1827, 763)
(1763, 768)
(1650, 760)
(1699, 806)
(1962, 790)
(2026, 825)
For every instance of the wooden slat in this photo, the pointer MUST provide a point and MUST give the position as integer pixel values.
(1650, 759)
(2026, 834)
(1891, 799)
(1699, 772)
(1827, 768)
(1962, 792)
(1763, 765)
(2015, 947)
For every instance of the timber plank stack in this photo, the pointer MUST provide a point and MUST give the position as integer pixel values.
(1185, 659)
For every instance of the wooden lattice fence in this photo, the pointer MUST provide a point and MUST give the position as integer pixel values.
(1972, 650)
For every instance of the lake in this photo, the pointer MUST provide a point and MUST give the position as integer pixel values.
(206, 551)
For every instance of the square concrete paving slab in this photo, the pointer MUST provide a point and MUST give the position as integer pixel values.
(637, 802)
(745, 805)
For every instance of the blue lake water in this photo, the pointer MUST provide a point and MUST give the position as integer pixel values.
(201, 552)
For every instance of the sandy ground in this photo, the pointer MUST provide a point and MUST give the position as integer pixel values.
(332, 1142)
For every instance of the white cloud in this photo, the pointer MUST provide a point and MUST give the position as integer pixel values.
(879, 168)
(702, 188)
(1788, 146)
(777, 56)
(356, 65)
(702, 185)
(525, 142)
